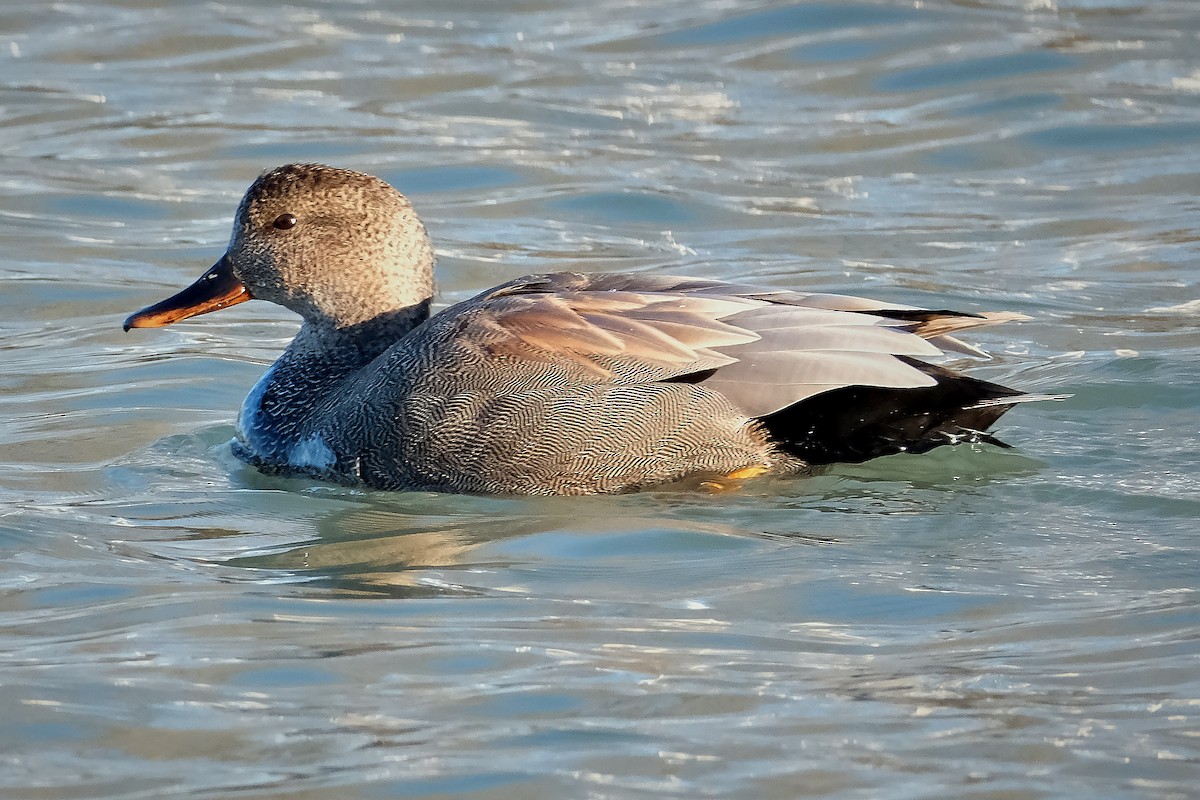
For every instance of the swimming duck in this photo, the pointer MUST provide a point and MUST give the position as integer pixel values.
(564, 383)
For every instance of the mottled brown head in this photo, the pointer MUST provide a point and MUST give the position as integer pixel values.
(335, 246)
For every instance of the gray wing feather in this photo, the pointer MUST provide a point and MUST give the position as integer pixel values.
(772, 381)
(771, 349)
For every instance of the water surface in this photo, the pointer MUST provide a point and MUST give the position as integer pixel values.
(971, 623)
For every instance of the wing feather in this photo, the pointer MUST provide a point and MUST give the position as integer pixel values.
(767, 349)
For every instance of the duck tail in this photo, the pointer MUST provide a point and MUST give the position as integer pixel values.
(857, 423)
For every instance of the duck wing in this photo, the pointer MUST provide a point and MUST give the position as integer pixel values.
(763, 349)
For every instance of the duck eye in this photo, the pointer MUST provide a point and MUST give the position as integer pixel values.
(284, 222)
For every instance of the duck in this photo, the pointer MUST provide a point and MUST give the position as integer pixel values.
(564, 383)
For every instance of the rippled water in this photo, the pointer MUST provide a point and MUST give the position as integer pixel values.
(968, 623)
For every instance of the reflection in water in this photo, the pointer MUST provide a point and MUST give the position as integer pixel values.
(403, 554)
(386, 552)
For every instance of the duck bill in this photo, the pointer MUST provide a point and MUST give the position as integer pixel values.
(216, 289)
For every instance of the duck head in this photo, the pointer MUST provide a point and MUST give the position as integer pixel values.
(337, 247)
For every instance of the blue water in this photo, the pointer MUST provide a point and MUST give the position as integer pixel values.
(970, 623)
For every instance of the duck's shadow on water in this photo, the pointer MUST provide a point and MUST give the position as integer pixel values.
(409, 544)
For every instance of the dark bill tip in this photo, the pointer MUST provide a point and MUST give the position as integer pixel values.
(212, 291)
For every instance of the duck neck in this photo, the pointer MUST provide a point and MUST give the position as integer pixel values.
(348, 347)
(285, 405)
